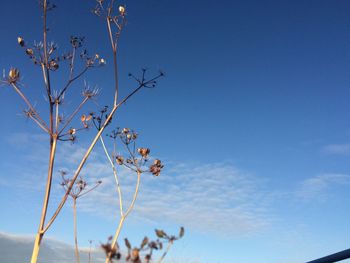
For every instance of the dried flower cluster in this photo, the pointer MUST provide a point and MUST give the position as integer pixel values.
(135, 160)
(143, 252)
(79, 187)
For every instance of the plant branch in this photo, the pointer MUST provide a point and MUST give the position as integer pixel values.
(39, 120)
(73, 114)
(115, 176)
(70, 81)
(84, 159)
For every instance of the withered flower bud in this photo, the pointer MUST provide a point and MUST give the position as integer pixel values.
(135, 253)
(20, 41)
(53, 65)
(122, 10)
(129, 161)
(144, 152)
(157, 162)
(156, 167)
(29, 52)
(102, 62)
(13, 75)
(120, 160)
(126, 130)
(129, 136)
(72, 131)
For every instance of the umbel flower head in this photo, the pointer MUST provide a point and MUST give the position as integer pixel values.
(156, 167)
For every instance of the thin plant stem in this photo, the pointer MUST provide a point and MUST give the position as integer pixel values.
(165, 252)
(37, 118)
(70, 81)
(114, 48)
(72, 64)
(56, 117)
(122, 218)
(73, 114)
(115, 177)
(76, 249)
(90, 241)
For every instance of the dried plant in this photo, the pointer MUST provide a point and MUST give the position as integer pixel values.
(79, 189)
(136, 160)
(59, 128)
(144, 252)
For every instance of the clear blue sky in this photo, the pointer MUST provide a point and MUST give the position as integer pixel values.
(252, 121)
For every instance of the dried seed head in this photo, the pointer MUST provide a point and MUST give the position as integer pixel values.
(53, 65)
(29, 52)
(157, 162)
(120, 160)
(102, 62)
(13, 75)
(72, 131)
(135, 253)
(144, 152)
(20, 41)
(156, 167)
(126, 130)
(122, 10)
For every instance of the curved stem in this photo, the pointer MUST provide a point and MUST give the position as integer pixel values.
(122, 218)
(135, 194)
(115, 176)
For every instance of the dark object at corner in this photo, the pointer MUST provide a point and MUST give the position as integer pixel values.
(345, 254)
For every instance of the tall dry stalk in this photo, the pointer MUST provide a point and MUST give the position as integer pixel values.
(43, 55)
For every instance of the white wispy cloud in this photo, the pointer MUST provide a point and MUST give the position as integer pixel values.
(318, 187)
(210, 198)
(337, 149)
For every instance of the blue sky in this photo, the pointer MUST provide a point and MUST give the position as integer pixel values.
(251, 121)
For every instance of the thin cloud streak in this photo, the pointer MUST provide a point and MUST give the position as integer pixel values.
(318, 187)
(215, 198)
(336, 149)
